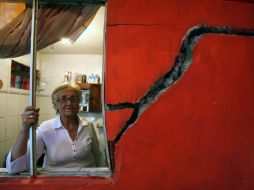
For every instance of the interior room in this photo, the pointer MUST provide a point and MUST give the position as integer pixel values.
(67, 61)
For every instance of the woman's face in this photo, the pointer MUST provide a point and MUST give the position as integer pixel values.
(67, 103)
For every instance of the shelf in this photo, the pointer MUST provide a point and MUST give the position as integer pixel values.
(84, 86)
(87, 86)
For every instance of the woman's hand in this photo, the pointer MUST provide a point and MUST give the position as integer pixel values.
(30, 117)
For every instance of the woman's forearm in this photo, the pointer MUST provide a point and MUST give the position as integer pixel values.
(20, 147)
(29, 117)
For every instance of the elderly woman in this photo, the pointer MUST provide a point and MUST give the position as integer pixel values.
(67, 140)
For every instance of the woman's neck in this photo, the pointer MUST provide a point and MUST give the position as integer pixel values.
(69, 122)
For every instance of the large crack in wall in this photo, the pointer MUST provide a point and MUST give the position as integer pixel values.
(182, 63)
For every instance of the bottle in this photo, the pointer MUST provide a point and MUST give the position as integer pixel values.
(93, 78)
(84, 78)
(97, 79)
(67, 76)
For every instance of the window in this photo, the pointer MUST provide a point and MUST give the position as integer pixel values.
(83, 57)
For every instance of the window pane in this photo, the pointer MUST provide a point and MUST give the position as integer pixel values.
(79, 62)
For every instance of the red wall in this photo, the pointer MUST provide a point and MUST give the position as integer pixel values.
(199, 133)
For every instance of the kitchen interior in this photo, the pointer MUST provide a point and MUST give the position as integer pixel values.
(78, 62)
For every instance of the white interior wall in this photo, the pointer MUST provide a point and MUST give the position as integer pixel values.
(53, 68)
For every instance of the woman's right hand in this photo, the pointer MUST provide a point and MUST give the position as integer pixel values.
(30, 116)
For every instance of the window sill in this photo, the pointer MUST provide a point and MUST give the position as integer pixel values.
(67, 176)
(94, 172)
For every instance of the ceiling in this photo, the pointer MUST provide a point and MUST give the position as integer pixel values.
(90, 41)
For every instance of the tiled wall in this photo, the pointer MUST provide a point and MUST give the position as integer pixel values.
(12, 103)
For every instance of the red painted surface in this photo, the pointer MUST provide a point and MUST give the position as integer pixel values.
(199, 134)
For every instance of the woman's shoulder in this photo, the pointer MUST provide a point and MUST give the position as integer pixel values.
(46, 125)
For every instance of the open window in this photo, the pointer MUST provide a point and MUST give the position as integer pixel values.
(77, 58)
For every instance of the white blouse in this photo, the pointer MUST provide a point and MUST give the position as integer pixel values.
(60, 151)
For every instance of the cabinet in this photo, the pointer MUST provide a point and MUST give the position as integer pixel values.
(95, 96)
(20, 75)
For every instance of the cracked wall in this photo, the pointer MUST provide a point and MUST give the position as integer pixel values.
(188, 133)
(181, 64)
